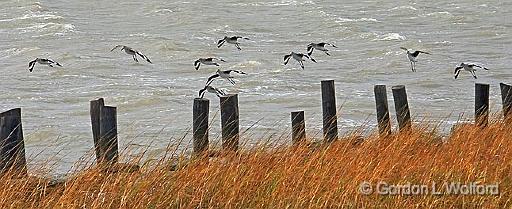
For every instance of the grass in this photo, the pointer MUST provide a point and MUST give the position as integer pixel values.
(304, 176)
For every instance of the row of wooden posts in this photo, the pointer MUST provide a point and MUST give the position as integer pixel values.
(104, 123)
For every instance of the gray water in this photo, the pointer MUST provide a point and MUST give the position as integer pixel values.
(155, 100)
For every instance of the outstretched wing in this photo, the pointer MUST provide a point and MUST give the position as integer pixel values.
(220, 59)
(201, 92)
(416, 53)
(210, 79)
(478, 66)
(54, 62)
(143, 57)
(116, 47)
(220, 92)
(236, 71)
(403, 48)
(287, 58)
(311, 58)
(310, 49)
(31, 65)
(197, 63)
(457, 71)
(220, 43)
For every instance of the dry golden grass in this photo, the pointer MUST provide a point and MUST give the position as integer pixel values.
(295, 177)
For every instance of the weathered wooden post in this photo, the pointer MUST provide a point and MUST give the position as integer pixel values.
(108, 133)
(330, 120)
(401, 107)
(381, 103)
(12, 150)
(506, 99)
(104, 128)
(200, 125)
(95, 106)
(229, 121)
(298, 127)
(481, 104)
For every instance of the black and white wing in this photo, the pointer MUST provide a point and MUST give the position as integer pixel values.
(143, 56)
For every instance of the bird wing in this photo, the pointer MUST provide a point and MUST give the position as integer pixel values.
(220, 59)
(115, 47)
(201, 92)
(311, 58)
(58, 64)
(416, 53)
(310, 48)
(221, 92)
(403, 48)
(473, 65)
(210, 79)
(32, 63)
(457, 71)
(197, 63)
(287, 58)
(220, 43)
(237, 71)
(143, 56)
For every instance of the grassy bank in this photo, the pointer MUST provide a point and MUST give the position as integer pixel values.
(296, 177)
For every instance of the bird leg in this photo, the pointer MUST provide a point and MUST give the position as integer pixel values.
(238, 46)
(135, 58)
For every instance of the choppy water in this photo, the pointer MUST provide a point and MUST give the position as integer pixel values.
(154, 100)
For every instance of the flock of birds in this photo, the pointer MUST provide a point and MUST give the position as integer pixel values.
(227, 74)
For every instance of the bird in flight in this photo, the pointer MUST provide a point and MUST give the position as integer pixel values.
(207, 61)
(226, 74)
(211, 89)
(132, 52)
(412, 56)
(299, 57)
(42, 61)
(231, 40)
(467, 67)
(320, 47)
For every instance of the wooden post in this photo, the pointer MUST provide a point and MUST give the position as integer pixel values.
(401, 107)
(506, 99)
(229, 121)
(95, 107)
(330, 122)
(104, 131)
(12, 150)
(481, 104)
(108, 134)
(200, 124)
(298, 127)
(381, 103)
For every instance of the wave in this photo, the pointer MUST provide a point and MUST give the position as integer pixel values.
(57, 28)
(403, 8)
(276, 3)
(364, 19)
(390, 37)
(31, 16)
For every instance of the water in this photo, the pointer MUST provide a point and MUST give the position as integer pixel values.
(154, 100)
